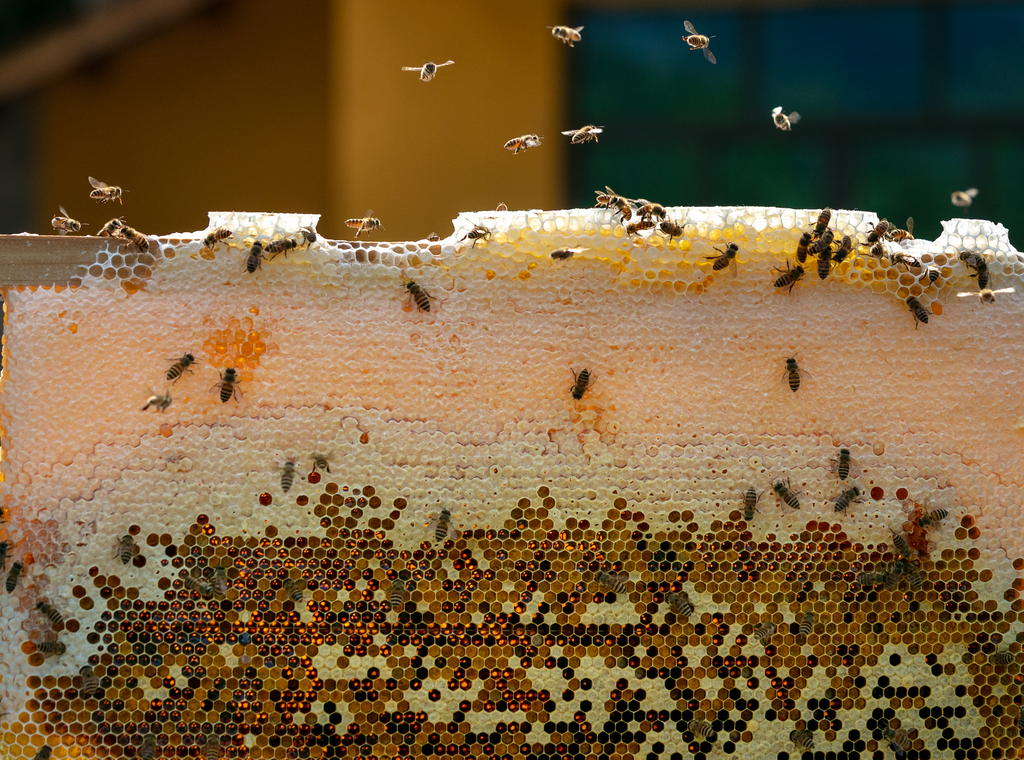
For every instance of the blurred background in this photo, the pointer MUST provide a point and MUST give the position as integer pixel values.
(260, 105)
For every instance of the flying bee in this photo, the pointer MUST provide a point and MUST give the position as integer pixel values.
(698, 41)
(701, 728)
(368, 223)
(900, 542)
(308, 236)
(254, 260)
(846, 498)
(680, 603)
(896, 235)
(905, 260)
(763, 633)
(428, 70)
(287, 476)
(320, 463)
(580, 383)
(158, 401)
(786, 496)
(931, 518)
(52, 647)
(104, 192)
(933, 273)
(802, 247)
(843, 251)
(125, 549)
(148, 749)
(612, 201)
(806, 625)
(65, 224)
(133, 237)
(90, 683)
(180, 367)
(396, 595)
(567, 34)
(441, 527)
(879, 231)
(920, 313)
(294, 590)
(523, 142)
(111, 228)
(987, 295)
(281, 246)
(648, 210)
(792, 374)
(789, 277)
(49, 612)
(419, 295)
(822, 224)
(476, 235)
(198, 585)
(584, 134)
(563, 254)
(824, 262)
(220, 582)
(613, 583)
(782, 121)
(501, 207)
(727, 258)
(844, 465)
(226, 386)
(979, 264)
(964, 198)
(750, 499)
(803, 739)
(433, 237)
(217, 235)
(635, 228)
(671, 229)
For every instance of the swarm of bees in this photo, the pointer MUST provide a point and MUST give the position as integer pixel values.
(428, 70)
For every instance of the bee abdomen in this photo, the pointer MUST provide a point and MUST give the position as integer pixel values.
(802, 739)
(1003, 658)
(764, 632)
(52, 648)
(287, 476)
(50, 613)
(807, 624)
(680, 603)
(702, 728)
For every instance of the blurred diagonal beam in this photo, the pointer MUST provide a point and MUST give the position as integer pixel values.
(97, 34)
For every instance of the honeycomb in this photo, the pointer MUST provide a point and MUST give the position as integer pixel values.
(484, 564)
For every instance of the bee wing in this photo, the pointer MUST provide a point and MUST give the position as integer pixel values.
(973, 192)
(571, 132)
(432, 525)
(776, 111)
(97, 184)
(709, 55)
(910, 225)
(689, 27)
(732, 266)
(412, 68)
(578, 29)
(794, 117)
(446, 63)
(452, 532)
(62, 211)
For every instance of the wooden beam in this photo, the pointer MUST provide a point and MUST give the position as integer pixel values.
(46, 259)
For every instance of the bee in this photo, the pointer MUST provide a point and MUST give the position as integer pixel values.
(419, 295)
(287, 476)
(111, 228)
(562, 254)
(65, 224)
(900, 739)
(48, 612)
(428, 70)
(148, 749)
(281, 246)
(433, 237)
(580, 383)
(802, 247)
(90, 683)
(803, 739)
(791, 375)
(846, 498)
(308, 236)
(986, 295)
(750, 499)
(612, 582)
(915, 578)
(898, 236)
(879, 231)
(789, 277)
(477, 234)
(931, 518)
(782, 121)
(671, 229)
(254, 260)
(824, 262)
(198, 585)
(294, 590)
(211, 748)
(891, 578)
(822, 224)
(806, 625)
(900, 542)
(612, 201)
(158, 402)
(320, 463)
(843, 466)
(396, 595)
(870, 579)
(920, 313)
(648, 210)
(221, 233)
(368, 223)
(1020, 721)
(220, 581)
(701, 728)
(441, 526)
(964, 198)
(727, 258)
(1002, 658)
(52, 647)
(104, 192)
(843, 252)
(698, 41)
(877, 250)
(180, 367)
(5, 546)
(567, 34)
(635, 228)
(933, 273)
(226, 385)
(44, 753)
(680, 603)
(584, 134)
(905, 260)
(501, 207)
(763, 633)
(125, 549)
(523, 142)
(786, 496)
(977, 262)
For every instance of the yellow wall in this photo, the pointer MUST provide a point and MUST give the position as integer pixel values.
(224, 111)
